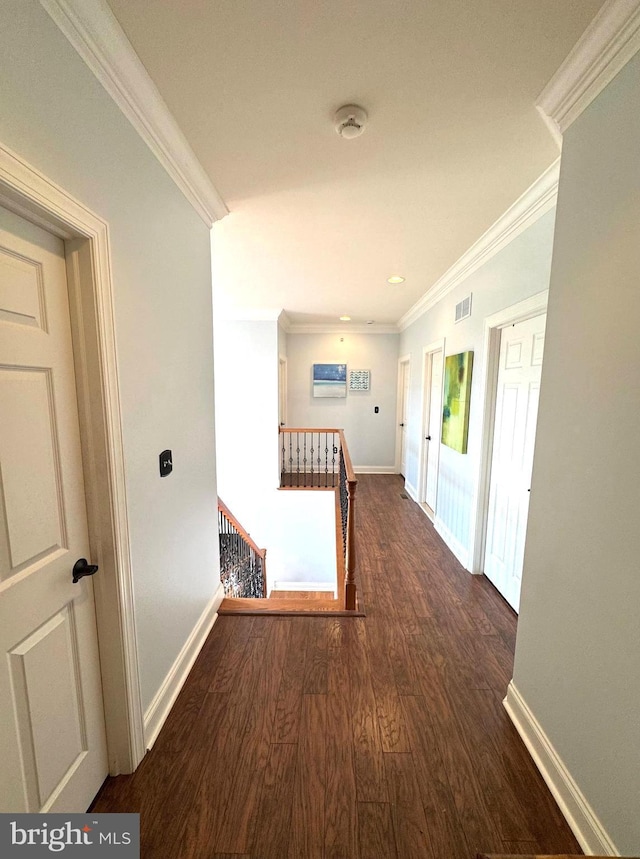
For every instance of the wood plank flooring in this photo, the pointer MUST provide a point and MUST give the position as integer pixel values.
(337, 737)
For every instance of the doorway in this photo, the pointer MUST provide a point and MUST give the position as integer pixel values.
(26, 193)
(431, 427)
(514, 342)
(57, 757)
(404, 366)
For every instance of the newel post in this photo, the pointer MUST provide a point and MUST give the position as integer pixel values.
(349, 582)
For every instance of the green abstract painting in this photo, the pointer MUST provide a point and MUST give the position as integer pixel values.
(457, 393)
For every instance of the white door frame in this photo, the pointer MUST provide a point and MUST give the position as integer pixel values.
(28, 193)
(493, 325)
(405, 359)
(427, 352)
(282, 390)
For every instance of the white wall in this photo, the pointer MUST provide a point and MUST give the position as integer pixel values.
(58, 118)
(578, 649)
(246, 414)
(370, 436)
(519, 270)
(302, 533)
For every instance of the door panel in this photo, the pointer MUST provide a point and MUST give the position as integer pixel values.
(51, 715)
(31, 488)
(521, 350)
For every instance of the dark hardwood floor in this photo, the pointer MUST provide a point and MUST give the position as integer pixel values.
(382, 736)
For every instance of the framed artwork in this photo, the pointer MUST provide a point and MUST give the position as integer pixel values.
(359, 380)
(329, 380)
(457, 394)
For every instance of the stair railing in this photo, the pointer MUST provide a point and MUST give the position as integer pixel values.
(318, 458)
(242, 563)
(347, 489)
(309, 457)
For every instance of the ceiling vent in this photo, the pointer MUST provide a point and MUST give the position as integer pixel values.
(350, 121)
(463, 308)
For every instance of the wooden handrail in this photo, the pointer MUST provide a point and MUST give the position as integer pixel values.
(351, 475)
(350, 593)
(308, 429)
(347, 498)
(261, 553)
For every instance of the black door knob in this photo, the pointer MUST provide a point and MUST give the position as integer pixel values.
(427, 438)
(82, 568)
(401, 425)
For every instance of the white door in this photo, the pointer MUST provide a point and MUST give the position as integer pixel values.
(521, 348)
(433, 427)
(403, 411)
(51, 710)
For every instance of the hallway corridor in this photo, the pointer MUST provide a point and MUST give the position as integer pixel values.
(382, 736)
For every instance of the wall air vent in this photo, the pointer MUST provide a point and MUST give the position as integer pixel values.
(463, 308)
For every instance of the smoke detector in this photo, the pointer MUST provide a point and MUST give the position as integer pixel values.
(350, 120)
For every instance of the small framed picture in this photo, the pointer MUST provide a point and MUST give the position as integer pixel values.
(359, 380)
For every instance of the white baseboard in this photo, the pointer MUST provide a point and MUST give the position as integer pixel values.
(460, 551)
(164, 699)
(428, 512)
(411, 491)
(578, 813)
(303, 586)
(375, 469)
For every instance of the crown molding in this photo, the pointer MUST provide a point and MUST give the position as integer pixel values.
(272, 314)
(284, 322)
(344, 328)
(96, 35)
(608, 43)
(535, 202)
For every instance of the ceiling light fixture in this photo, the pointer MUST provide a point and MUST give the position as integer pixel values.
(395, 278)
(345, 319)
(349, 121)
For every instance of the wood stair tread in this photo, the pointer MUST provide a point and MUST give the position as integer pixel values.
(320, 607)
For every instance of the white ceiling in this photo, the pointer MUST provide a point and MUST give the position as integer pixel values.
(318, 223)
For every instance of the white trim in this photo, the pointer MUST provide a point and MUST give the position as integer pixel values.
(519, 312)
(98, 38)
(25, 189)
(535, 202)
(284, 322)
(404, 359)
(430, 350)
(375, 469)
(411, 491)
(164, 699)
(283, 390)
(324, 587)
(461, 553)
(343, 328)
(582, 819)
(428, 512)
(605, 47)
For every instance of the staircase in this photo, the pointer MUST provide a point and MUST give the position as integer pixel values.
(311, 460)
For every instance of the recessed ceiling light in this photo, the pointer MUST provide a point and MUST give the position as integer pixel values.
(395, 278)
(345, 319)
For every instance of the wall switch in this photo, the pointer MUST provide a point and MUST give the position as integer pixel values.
(376, 409)
(166, 463)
